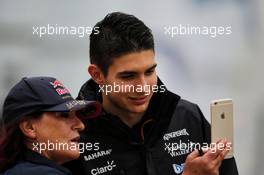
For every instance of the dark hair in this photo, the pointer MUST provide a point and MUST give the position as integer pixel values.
(12, 142)
(116, 35)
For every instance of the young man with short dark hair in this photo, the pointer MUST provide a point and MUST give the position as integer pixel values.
(144, 129)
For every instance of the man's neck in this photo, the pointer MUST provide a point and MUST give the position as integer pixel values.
(129, 118)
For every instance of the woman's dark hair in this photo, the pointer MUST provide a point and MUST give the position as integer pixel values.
(12, 142)
(116, 35)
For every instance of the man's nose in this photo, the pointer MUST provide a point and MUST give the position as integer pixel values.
(142, 81)
(78, 124)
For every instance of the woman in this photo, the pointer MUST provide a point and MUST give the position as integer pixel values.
(41, 125)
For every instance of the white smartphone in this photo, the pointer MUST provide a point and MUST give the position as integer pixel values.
(222, 123)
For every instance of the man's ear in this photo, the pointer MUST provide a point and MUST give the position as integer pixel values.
(96, 74)
(28, 129)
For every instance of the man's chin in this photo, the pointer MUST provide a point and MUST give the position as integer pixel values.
(138, 109)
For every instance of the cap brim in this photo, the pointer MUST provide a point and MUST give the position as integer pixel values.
(91, 107)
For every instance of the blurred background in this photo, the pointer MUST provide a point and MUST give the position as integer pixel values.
(199, 68)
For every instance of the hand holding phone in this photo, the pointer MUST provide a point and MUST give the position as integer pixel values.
(222, 122)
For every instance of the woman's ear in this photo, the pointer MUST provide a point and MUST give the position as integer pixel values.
(96, 74)
(28, 129)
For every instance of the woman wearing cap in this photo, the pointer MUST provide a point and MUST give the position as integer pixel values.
(41, 125)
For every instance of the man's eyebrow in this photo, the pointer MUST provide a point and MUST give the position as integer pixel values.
(152, 67)
(126, 73)
(133, 72)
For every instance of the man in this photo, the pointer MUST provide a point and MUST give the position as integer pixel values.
(144, 128)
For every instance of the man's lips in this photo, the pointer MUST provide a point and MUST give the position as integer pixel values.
(138, 100)
(76, 139)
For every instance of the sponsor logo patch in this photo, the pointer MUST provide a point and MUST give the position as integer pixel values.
(178, 168)
(105, 169)
(97, 155)
(175, 134)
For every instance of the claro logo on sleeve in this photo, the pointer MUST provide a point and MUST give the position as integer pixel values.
(101, 170)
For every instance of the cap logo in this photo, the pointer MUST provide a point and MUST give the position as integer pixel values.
(62, 91)
(59, 87)
(74, 103)
(56, 84)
